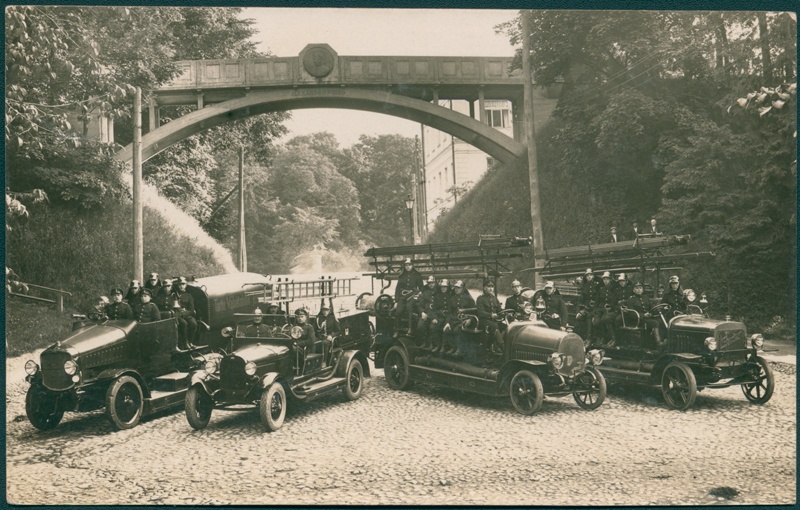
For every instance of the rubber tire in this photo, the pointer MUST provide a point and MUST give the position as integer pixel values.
(198, 408)
(679, 369)
(395, 368)
(766, 370)
(515, 390)
(273, 394)
(354, 369)
(128, 383)
(601, 387)
(35, 399)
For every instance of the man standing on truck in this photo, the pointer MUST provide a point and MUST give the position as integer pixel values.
(187, 324)
(409, 285)
(489, 317)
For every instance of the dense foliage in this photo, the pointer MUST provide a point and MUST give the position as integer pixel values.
(650, 123)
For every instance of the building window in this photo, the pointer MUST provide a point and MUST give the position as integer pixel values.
(498, 118)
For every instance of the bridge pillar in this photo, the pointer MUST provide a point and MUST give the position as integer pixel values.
(154, 111)
(200, 100)
(481, 105)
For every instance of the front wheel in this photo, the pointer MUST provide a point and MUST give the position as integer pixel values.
(354, 380)
(679, 386)
(272, 407)
(41, 406)
(589, 389)
(395, 368)
(760, 391)
(526, 392)
(199, 406)
(124, 402)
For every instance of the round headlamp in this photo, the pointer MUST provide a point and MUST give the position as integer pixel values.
(757, 340)
(296, 332)
(596, 356)
(556, 360)
(70, 367)
(210, 366)
(227, 332)
(31, 367)
(711, 343)
(250, 368)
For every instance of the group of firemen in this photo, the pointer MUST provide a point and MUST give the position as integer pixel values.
(265, 324)
(433, 311)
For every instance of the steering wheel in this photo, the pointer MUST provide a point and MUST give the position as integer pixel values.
(659, 308)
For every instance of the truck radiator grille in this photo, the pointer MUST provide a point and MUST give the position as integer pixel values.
(53, 375)
(231, 374)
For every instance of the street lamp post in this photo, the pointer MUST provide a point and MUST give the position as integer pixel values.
(410, 207)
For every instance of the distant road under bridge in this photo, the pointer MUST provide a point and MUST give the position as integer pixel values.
(408, 87)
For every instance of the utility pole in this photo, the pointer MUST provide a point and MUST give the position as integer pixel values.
(530, 133)
(241, 243)
(138, 236)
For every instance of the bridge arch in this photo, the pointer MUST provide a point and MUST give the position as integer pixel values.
(255, 102)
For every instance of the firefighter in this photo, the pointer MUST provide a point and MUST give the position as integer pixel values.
(183, 303)
(134, 294)
(258, 329)
(586, 304)
(555, 309)
(423, 305)
(606, 309)
(642, 305)
(674, 296)
(118, 309)
(460, 299)
(163, 299)
(516, 301)
(437, 315)
(489, 318)
(308, 337)
(409, 285)
(326, 324)
(153, 283)
(624, 287)
(146, 310)
(275, 316)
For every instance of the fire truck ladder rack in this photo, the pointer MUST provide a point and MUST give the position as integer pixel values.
(449, 260)
(645, 254)
(286, 289)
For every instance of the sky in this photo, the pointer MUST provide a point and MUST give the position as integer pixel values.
(436, 32)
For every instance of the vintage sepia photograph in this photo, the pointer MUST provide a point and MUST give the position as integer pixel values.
(355, 256)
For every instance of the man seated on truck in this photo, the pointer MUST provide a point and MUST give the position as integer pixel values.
(257, 329)
(489, 318)
(460, 300)
(555, 311)
(516, 301)
(118, 309)
(437, 315)
(326, 324)
(642, 305)
(98, 313)
(184, 310)
(606, 310)
(275, 316)
(424, 304)
(164, 299)
(409, 285)
(147, 311)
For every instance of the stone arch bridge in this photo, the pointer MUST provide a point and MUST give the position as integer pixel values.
(409, 87)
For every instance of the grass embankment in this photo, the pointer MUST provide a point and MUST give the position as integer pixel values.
(87, 254)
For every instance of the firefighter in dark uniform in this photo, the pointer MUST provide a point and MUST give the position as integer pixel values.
(184, 310)
(460, 299)
(134, 295)
(489, 318)
(606, 308)
(153, 283)
(624, 287)
(437, 315)
(674, 296)
(326, 324)
(118, 309)
(642, 305)
(147, 311)
(586, 304)
(424, 305)
(516, 301)
(409, 285)
(164, 299)
(555, 309)
(275, 316)
(257, 329)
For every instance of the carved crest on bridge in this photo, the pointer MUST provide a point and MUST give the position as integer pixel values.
(318, 60)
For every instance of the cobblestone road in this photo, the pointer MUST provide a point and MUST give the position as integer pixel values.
(424, 446)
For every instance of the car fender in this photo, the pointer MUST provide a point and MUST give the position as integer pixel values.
(688, 358)
(109, 374)
(344, 362)
(508, 370)
(205, 380)
(268, 379)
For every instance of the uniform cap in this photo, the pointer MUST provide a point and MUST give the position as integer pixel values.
(621, 277)
(606, 275)
(488, 282)
(516, 283)
(257, 311)
(271, 305)
(588, 271)
(153, 276)
(167, 281)
(147, 292)
(181, 279)
(431, 279)
(458, 283)
(613, 229)
(115, 290)
(674, 279)
(135, 283)
(301, 311)
(323, 307)
(638, 284)
(444, 283)
(549, 285)
(406, 261)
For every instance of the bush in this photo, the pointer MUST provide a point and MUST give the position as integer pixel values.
(32, 326)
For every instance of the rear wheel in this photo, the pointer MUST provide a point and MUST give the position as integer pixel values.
(395, 368)
(589, 389)
(272, 407)
(526, 392)
(41, 406)
(760, 391)
(679, 386)
(354, 380)
(124, 402)
(199, 406)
